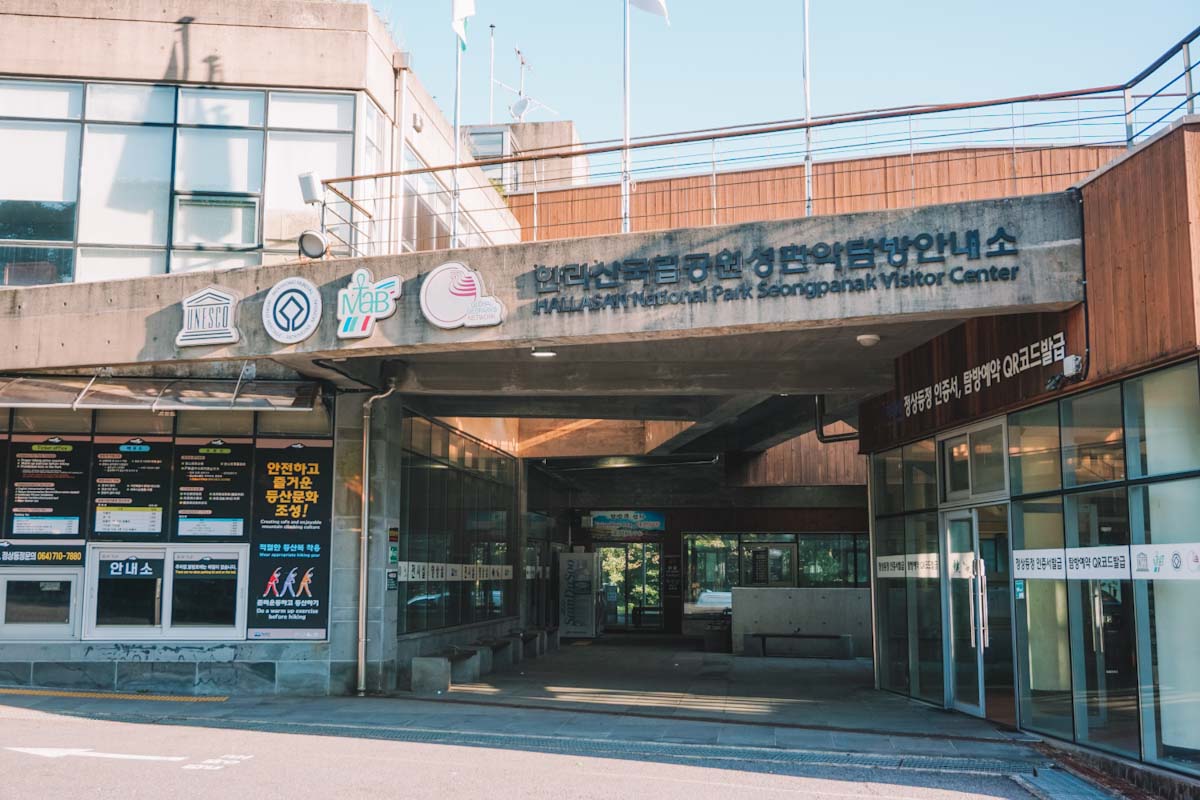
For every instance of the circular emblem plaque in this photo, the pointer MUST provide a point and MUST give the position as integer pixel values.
(292, 310)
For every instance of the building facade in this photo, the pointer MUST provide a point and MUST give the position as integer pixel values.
(296, 475)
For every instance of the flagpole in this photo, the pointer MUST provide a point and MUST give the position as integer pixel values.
(625, 150)
(492, 79)
(808, 165)
(457, 138)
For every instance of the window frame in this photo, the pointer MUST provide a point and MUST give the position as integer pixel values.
(169, 553)
(10, 632)
(970, 497)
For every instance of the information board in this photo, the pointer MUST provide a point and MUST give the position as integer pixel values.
(41, 555)
(672, 576)
(48, 486)
(213, 488)
(289, 549)
(131, 487)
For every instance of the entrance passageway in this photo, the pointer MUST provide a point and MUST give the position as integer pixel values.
(800, 702)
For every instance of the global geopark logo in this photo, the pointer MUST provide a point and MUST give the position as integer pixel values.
(291, 310)
(453, 296)
(364, 302)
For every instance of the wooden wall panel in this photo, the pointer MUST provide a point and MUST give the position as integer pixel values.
(839, 187)
(1139, 220)
(802, 461)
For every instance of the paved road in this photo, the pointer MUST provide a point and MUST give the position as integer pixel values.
(65, 756)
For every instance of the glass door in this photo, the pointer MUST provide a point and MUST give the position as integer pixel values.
(980, 615)
(967, 635)
(632, 585)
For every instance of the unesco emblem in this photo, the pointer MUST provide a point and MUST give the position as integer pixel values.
(292, 310)
(209, 317)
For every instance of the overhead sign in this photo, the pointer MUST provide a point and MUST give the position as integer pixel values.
(209, 317)
(632, 521)
(131, 486)
(453, 296)
(292, 310)
(213, 485)
(364, 302)
(49, 486)
(289, 553)
(902, 261)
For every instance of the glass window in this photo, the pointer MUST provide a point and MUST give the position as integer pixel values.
(219, 161)
(204, 590)
(1043, 643)
(51, 420)
(194, 261)
(1033, 450)
(920, 476)
(115, 102)
(289, 155)
(33, 266)
(220, 107)
(1093, 449)
(143, 422)
(712, 572)
(891, 607)
(110, 264)
(37, 602)
(1104, 665)
(925, 606)
(987, 460)
(226, 423)
(312, 112)
(956, 460)
(39, 187)
(310, 423)
(1162, 421)
(889, 482)
(126, 185)
(129, 590)
(40, 99)
(216, 220)
(1166, 567)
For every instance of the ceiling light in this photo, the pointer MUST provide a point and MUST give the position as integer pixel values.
(536, 353)
(868, 339)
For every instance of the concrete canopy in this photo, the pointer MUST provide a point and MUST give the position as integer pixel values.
(664, 340)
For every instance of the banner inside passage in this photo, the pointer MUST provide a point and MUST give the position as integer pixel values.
(1151, 562)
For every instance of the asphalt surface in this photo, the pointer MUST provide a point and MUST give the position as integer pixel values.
(47, 754)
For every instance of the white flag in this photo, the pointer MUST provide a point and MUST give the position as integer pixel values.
(658, 7)
(460, 10)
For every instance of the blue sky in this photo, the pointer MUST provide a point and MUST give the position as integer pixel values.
(723, 63)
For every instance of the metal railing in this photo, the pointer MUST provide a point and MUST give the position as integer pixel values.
(882, 158)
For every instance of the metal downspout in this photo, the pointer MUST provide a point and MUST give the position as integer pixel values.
(364, 536)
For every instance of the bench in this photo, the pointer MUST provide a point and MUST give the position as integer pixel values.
(823, 645)
(433, 674)
(533, 642)
(493, 653)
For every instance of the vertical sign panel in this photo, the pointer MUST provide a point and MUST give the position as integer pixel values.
(48, 486)
(672, 576)
(131, 487)
(289, 549)
(213, 487)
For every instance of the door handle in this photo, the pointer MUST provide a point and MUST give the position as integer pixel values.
(983, 604)
(1098, 621)
(973, 583)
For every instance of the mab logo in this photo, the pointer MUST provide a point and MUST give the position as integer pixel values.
(364, 302)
